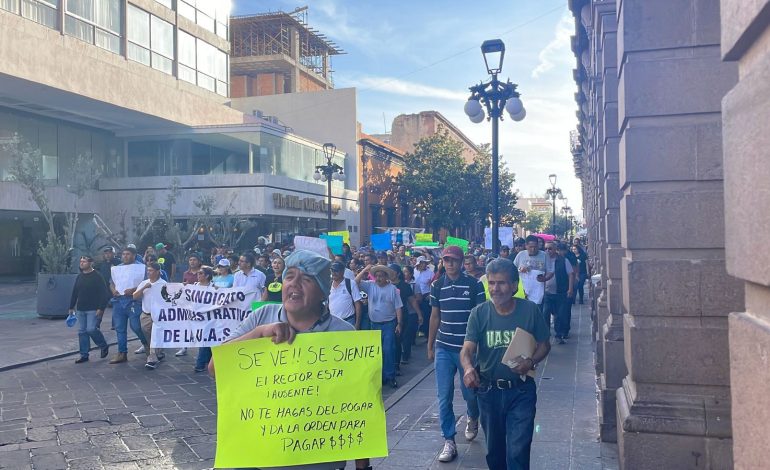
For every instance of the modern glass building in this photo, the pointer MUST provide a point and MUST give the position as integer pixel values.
(143, 87)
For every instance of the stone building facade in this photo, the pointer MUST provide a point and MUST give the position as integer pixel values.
(673, 98)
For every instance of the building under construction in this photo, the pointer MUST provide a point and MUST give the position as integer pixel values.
(277, 52)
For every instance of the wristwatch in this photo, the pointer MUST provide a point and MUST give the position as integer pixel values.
(534, 364)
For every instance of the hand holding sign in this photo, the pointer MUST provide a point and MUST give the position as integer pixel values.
(316, 400)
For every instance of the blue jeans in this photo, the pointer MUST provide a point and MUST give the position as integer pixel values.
(563, 317)
(352, 320)
(552, 306)
(204, 356)
(388, 331)
(88, 330)
(126, 311)
(508, 420)
(446, 365)
(408, 336)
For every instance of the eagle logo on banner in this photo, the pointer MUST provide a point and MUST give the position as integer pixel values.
(168, 298)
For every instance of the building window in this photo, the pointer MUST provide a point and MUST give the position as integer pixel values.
(150, 40)
(96, 22)
(162, 45)
(187, 57)
(186, 8)
(138, 35)
(41, 11)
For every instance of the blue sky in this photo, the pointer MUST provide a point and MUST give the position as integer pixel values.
(411, 56)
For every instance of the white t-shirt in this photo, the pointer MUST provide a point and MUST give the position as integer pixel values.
(340, 302)
(423, 280)
(383, 301)
(254, 282)
(151, 296)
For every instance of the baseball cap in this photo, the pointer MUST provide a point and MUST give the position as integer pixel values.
(108, 248)
(277, 252)
(422, 259)
(224, 262)
(131, 245)
(338, 267)
(158, 246)
(452, 251)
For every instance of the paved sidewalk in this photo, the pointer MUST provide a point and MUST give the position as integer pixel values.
(566, 425)
(56, 414)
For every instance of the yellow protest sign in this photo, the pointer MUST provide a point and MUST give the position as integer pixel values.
(316, 400)
(423, 237)
(342, 233)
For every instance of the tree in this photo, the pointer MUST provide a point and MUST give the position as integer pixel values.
(479, 181)
(26, 169)
(433, 181)
(537, 222)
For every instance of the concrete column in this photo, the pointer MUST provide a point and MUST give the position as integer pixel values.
(611, 330)
(745, 118)
(295, 54)
(674, 405)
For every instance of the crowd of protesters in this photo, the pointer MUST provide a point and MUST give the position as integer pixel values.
(462, 303)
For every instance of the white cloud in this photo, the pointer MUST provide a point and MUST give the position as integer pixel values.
(558, 50)
(397, 86)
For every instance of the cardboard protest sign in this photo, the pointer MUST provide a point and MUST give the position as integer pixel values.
(316, 245)
(462, 243)
(316, 400)
(194, 316)
(427, 244)
(127, 276)
(341, 233)
(381, 241)
(334, 242)
(534, 289)
(505, 235)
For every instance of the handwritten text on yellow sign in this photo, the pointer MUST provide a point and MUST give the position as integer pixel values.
(316, 400)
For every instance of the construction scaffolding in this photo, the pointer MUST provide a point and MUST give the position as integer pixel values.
(274, 33)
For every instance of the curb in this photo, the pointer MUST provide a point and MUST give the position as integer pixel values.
(407, 387)
(50, 358)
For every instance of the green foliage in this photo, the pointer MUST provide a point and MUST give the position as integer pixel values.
(537, 222)
(54, 254)
(449, 193)
(26, 169)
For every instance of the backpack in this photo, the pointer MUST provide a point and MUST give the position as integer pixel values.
(349, 289)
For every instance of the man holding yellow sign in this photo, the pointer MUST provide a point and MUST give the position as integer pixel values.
(298, 404)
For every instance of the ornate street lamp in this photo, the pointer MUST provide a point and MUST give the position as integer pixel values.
(327, 173)
(495, 96)
(553, 192)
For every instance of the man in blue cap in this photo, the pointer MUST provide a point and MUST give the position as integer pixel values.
(306, 284)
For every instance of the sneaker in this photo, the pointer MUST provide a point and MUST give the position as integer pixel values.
(161, 356)
(561, 341)
(151, 365)
(449, 452)
(405, 362)
(200, 369)
(472, 428)
(105, 352)
(118, 358)
(181, 352)
(81, 359)
(140, 350)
